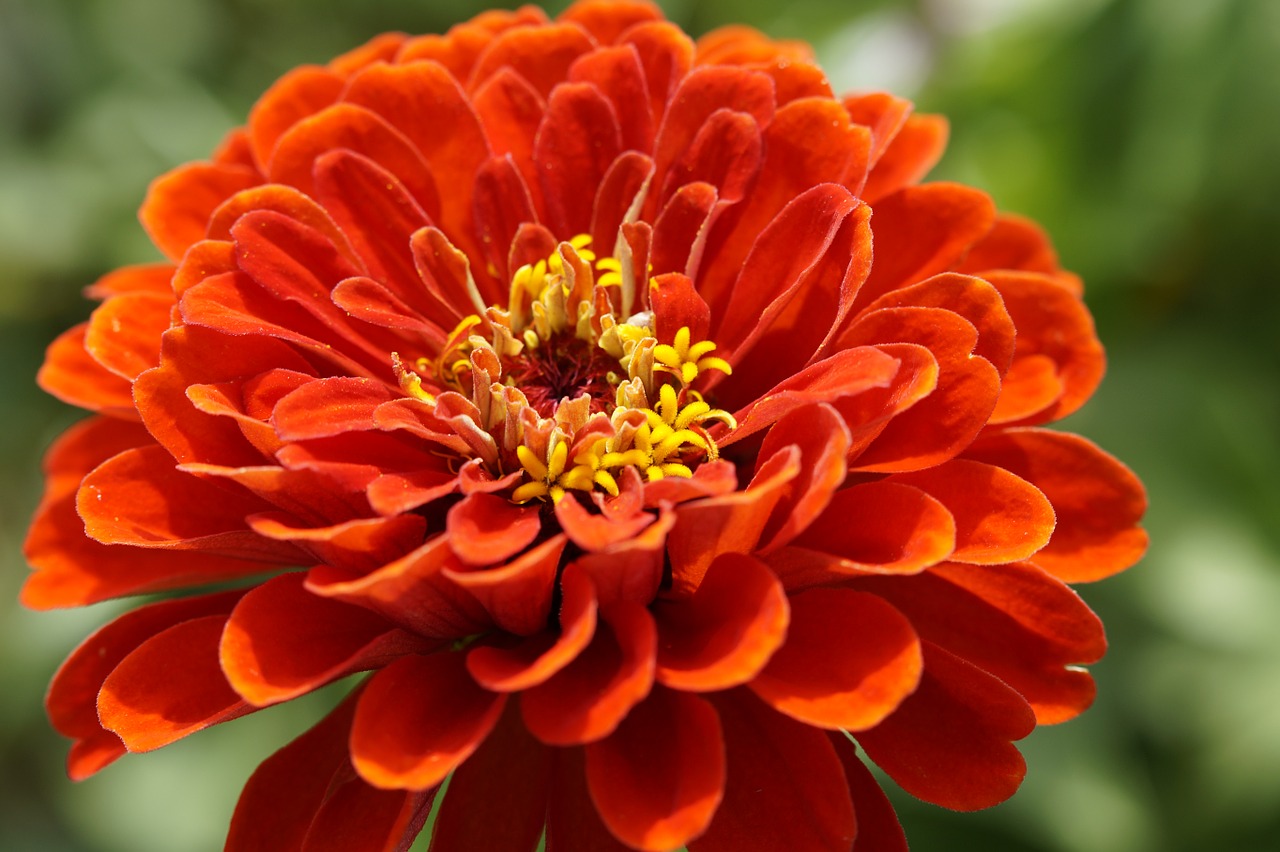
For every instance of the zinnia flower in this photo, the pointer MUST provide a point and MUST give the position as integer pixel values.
(628, 408)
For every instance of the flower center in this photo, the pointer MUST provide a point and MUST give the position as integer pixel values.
(563, 391)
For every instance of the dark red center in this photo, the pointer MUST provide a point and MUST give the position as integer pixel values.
(564, 367)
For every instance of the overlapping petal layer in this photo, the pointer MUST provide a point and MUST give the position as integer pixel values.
(628, 407)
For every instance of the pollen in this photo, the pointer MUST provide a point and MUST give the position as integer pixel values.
(564, 386)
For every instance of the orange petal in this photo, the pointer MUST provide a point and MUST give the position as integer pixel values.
(138, 497)
(411, 592)
(833, 677)
(726, 633)
(822, 437)
(542, 55)
(913, 151)
(1097, 499)
(485, 529)
(999, 517)
(658, 780)
(587, 699)
(179, 203)
(170, 686)
(879, 528)
(1014, 243)
(515, 666)
(139, 278)
(418, 719)
(950, 743)
(72, 698)
(921, 231)
(576, 143)
(517, 595)
(72, 375)
(1013, 621)
(282, 641)
(617, 73)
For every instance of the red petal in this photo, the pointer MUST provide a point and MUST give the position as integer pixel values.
(1052, 323)
(913, 151)
(726, 633)
(879, 528)
(418, 719)
(940, 425)
(847, 373)
(878, 826)
(676, 304)
(139, 498)
(830, 676)
(191, 356)
(593, 532)
(631, 570)
(139, 278)
(573, 824)
(282, 641)
(622, 187)
(71, 374)
(411, 592)
(170, 686)
(542, 55)
(680, 230)
(1014, 243)
(1097, 499)
(361, 131)
(733, 523)
(124, 332)
(282, 796)
(273, 196)
(503, 201)
(883, 114)
(658, 780)
(522, 665)
(999, 517)
(950, 743)
(725, 154)
(485, 529)
(418, 99)
(701, 93)
(1013, 621)
(822, 438)
(301, 92)
(576, 143)
(782, 261)
(972, 298)
(617, 73)
(666, 54)
(376, 212)
(357, 817)
(511, 113)
(72, 698)
(792, 767)
(497, 799)
(517, 595)
(921, 231)
(179, 204)
(585, 700)
(607, 21)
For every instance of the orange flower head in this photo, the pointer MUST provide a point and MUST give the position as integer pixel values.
(625, 405)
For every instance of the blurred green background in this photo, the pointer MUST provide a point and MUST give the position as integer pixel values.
(1143, 133)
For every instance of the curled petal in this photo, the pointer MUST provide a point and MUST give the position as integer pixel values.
(485, 529)
(588, 698)
(418, 719)
(517, 595)
(525, 664)
(725, 634)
